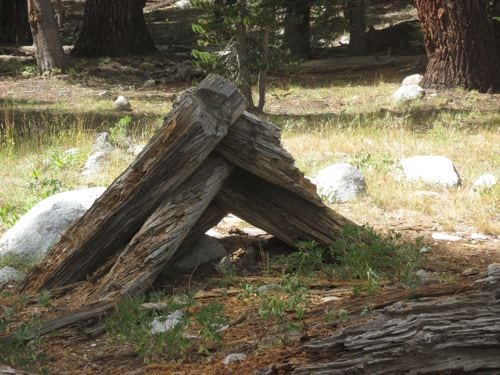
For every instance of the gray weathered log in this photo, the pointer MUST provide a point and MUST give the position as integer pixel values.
(154, 245)
(255, 145)
(280, 212)
(458, 334)
(194, 128)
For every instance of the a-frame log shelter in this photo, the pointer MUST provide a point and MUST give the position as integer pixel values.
(209, 158)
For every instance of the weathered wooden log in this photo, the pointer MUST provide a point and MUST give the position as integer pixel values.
(255, 145)
(458, 334)
(194, 128)
(280, 212)
(164, 231)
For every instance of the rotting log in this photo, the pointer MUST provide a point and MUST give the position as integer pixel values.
(459, 334)
(280, 212)
(255, 145)
(164, 231)
(194, 128)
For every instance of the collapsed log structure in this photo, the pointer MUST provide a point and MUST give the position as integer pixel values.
(210, 158)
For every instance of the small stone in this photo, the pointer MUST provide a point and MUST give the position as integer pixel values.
(149, 83)
(234, 357)
(430, 169)
(135, 150)
(165, 324)
(329, 299)
(408, 93)
(423, 278)
(340, 182)
(10, 275)
(484, 182)
(439, 236)
(101, 143)
(93, 164)
(425, 249)
(414, 79)
(268, 288)
(479, 237)
(122, 104)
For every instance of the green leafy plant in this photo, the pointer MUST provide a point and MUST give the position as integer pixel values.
(308, 259)
(118, 134)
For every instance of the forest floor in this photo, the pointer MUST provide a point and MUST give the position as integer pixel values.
(341, 116)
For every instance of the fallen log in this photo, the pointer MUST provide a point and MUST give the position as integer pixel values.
(287, 216)
(459, 334)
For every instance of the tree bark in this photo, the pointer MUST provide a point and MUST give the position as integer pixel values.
(455, 335)
(49, 52)
(460, 44)
(14, 26)
(357, 27)
(298, 28)
(191, 132)
(113, 28)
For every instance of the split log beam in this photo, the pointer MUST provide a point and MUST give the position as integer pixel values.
(458, 334)
(280, 212)
(255, 145)
(195, 127)
(164, 231)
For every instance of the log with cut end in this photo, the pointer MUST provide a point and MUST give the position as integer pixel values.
(255, 145)
(458, 334)
(280, 212)
(194, 128)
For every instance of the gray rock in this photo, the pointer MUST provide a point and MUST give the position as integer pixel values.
(183, 4)
(234, 357)
(101, 143)
(340, 182)
(484, 182)
(493, 269)
(94, 164)
(224, 266)
(167, 323)
(479, 237)
(10, 275)
(71, 152)
(269, 288)
(413, 79)
(408, 93)
(35, 233)
(438, 236)
(135, 149)
(149, 83)
(424, 278)
(434, 170)
(122, 104)
(207, 250)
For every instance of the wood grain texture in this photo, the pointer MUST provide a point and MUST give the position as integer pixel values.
(194, 128)
(154, 245)
(255, 145)
(280, 212)
(455, 335)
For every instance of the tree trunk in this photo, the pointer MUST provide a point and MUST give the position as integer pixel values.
(14, 27)
(298, 28)
(460, 44)
(49, 52)
(113, 28)
(357, 27)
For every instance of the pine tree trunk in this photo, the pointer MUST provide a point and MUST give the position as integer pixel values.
(460, 44)
(49, 53)
(113, 28)
(298, 28)
(357, 27)
(14, 27)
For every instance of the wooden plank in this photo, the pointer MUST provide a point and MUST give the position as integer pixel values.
(164, 231)
(459, 334)
(193, 129)
(280, 212)
(255, 145)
